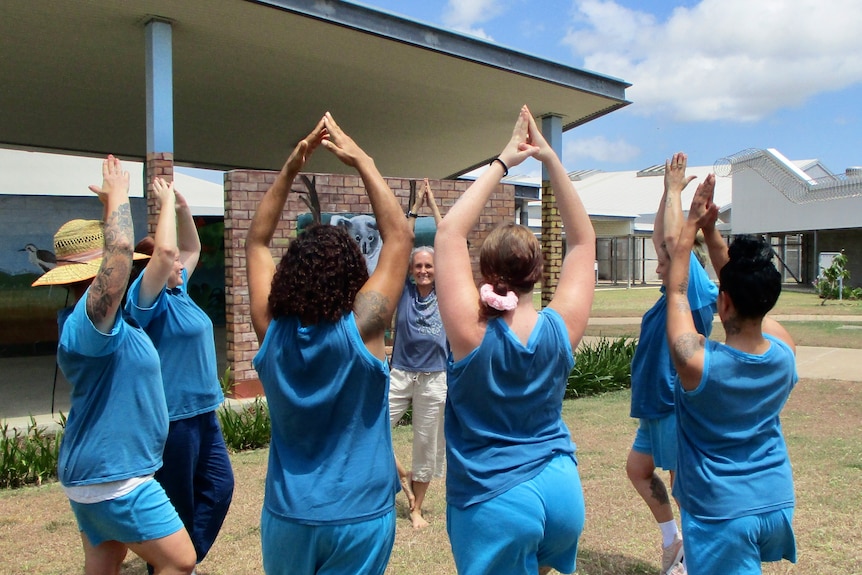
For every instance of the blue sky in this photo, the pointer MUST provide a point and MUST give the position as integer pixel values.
(709, 77)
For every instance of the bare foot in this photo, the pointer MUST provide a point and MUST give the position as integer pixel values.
(417, 519)
(407, 486)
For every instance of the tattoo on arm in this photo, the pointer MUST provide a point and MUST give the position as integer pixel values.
(372, 310)
(685, 346)
(110, 282)
(682, 289)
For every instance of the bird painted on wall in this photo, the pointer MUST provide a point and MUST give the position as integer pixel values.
(44, 259)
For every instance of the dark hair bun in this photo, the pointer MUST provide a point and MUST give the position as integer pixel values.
(750, 253)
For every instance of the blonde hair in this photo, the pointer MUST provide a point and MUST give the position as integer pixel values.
(699, 248)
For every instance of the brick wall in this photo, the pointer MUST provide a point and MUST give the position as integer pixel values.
(552, 243)
(337, 193)
(160, 165)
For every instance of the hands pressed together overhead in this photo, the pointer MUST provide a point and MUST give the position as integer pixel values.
(330, 135)
(164, 192)
(703, 210)
(527, 142)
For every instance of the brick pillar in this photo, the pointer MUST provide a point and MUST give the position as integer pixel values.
(552, 243)
(159, 164)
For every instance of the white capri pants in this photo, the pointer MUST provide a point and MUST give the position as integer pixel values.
(427, 392)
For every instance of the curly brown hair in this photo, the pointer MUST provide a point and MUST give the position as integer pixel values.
(510, 259)
(318, 278)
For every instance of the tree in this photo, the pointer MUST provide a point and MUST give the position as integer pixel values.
(831, 282)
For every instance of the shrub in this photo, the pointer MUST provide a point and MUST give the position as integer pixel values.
(831, 283)
(29, 458)
(248, 428)
(602, 366)
(226, 381)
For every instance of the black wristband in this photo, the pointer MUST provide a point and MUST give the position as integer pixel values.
(502, 163)
(411, 214)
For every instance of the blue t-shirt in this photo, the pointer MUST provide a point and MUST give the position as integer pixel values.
(331, 459)
(503, 418)
(653, 373)
(118, 421)
(420, 340)
(733, 459)
(183, 335)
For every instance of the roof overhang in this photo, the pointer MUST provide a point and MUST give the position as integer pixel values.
(252, 77)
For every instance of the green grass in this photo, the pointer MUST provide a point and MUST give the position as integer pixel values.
(634, 302)
(807, 333)
(820, 421)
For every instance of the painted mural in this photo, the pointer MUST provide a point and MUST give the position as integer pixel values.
(28, 315)
(363, 229)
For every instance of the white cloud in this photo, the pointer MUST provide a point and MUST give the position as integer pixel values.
(737, 60)
(464, 15)
(599, 149)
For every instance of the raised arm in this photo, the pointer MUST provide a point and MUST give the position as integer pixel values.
(686, 344)
(188, 241)
(715, 244)
(165, 250)
(432, 203)
(376, 301)
(573, 297)
(260, 267)
(670, 217)
(106, 292)
(457, 295)
(413, 211)
(426, 196)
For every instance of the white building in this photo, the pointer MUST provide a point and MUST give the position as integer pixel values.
(805, 208)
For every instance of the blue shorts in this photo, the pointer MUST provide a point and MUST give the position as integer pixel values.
(291, 548)
(534, 524)
(744, 543)
(657, 437)
(143, 514)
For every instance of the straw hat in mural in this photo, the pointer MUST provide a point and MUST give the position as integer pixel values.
(79, 246)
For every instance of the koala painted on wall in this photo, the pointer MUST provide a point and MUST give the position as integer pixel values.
(363, 229)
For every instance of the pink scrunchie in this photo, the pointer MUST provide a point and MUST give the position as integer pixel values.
(497, 301)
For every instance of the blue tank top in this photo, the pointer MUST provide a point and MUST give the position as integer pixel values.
(733, 459)
(503, 418)
(420, 340)
(653, 374)
(331, 459)
(183, 335)
(118, 421)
